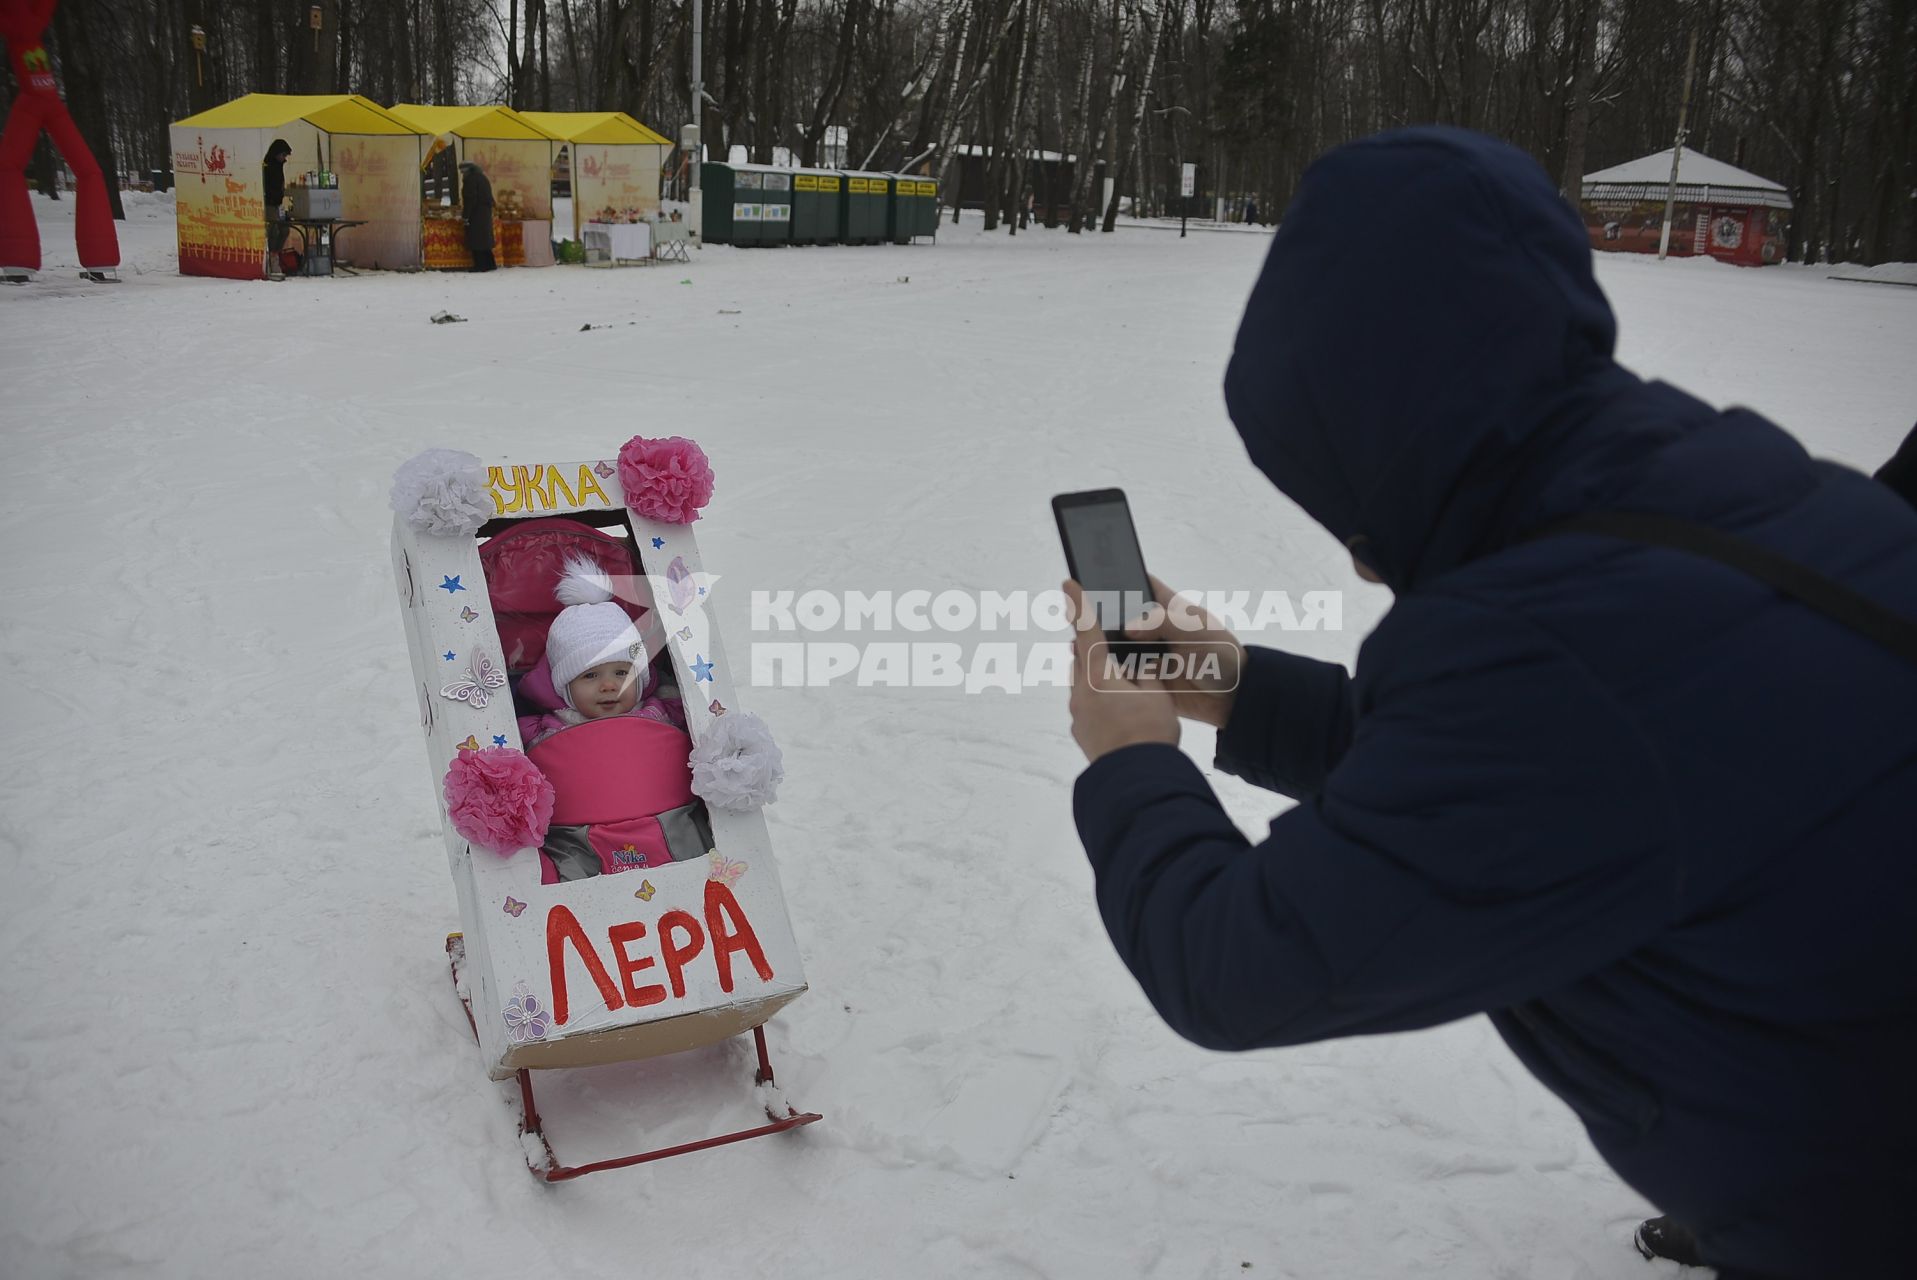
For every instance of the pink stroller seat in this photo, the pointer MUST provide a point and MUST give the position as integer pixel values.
(624, 790)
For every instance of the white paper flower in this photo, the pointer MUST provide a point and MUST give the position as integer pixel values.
(442, 491)
(736, 764)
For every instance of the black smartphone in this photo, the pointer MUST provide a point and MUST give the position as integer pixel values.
(1101, 550)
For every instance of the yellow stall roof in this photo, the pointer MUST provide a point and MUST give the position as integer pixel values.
(494, 123)
(330, 112)
(596, 127)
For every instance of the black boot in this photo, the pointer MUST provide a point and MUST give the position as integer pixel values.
(1664, 1238)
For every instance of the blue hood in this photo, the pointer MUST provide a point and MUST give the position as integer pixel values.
(1427, 352)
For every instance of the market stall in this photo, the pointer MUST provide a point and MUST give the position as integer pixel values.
(1719, 210)
(613, 163)
(516, 156)
(370, 158)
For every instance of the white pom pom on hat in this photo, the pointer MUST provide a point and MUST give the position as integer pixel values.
(591, 629)
(584, 583)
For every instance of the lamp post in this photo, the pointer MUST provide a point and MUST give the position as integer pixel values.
(690, 137)
(1185, 179)
(1677, 148)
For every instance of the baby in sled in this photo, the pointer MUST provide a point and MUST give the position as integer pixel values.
(597, 721)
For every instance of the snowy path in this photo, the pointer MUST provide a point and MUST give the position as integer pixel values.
(230, 1042)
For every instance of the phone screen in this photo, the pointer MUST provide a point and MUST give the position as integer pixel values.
(1101, 549)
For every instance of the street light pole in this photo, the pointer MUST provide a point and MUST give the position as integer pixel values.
(1178, 158)
(1677, 148)
(695, 145)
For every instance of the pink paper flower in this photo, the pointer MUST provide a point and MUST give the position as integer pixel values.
(499, 799)
(666, 480)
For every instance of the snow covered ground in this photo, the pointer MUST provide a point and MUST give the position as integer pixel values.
(230, 1045)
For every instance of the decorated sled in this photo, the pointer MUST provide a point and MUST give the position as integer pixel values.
(672, 946)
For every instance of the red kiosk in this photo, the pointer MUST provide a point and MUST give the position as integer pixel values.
(1721, 211)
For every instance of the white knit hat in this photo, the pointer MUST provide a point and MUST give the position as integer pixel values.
(592, 628)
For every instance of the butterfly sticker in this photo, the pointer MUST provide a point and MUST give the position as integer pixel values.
(684, 633)
(604, 469)
(724, 869)
(717, 708)
(645, 891)
(467, 614)
(476, 690)
(514, 906)
(471, 743)
(680, 588)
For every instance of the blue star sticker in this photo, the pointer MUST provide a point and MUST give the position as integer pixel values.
(702, 590)
(701, 669)
(451, 585)
(499, 739)
(658, 543)
(448, 655)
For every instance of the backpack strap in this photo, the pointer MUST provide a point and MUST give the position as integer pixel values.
(1800, 582)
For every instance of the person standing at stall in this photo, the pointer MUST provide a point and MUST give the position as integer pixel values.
(273, 179)
(476, 202)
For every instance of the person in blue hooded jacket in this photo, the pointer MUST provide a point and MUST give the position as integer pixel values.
(1655, 818)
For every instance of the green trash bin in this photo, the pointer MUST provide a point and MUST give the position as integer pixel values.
(898, 228)
(775, 206)
(914, 209)
(863, 212)
(748, 206)
(817, 198)
(718, 195)
(927, 209)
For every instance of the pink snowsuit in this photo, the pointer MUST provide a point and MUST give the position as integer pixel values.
(622, 788)
(623, 798)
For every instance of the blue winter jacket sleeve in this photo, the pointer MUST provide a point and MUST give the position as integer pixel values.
(1468, 851)
(1311, 699)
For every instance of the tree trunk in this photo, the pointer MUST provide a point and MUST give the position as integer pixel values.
(1578, 123)
(343, 76)
(1143, 97)
(73, 24)
(512, 55)
(266, 48)
(202, 94)
(312, 62)
(1021, 145)
(45, 176)
(825, 109)
(576, 76)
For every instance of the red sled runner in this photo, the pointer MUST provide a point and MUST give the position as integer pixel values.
(551, 1170)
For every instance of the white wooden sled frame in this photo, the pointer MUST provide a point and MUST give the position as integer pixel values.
(559, 961)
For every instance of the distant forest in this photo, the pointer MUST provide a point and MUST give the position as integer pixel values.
(1819, 95)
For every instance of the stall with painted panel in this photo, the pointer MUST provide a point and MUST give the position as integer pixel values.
(370, 159)
(612, 164)
(1718, 210)
(516, 156)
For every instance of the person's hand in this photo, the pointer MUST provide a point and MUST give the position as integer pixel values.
(1202, 691)
(1109, 711)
